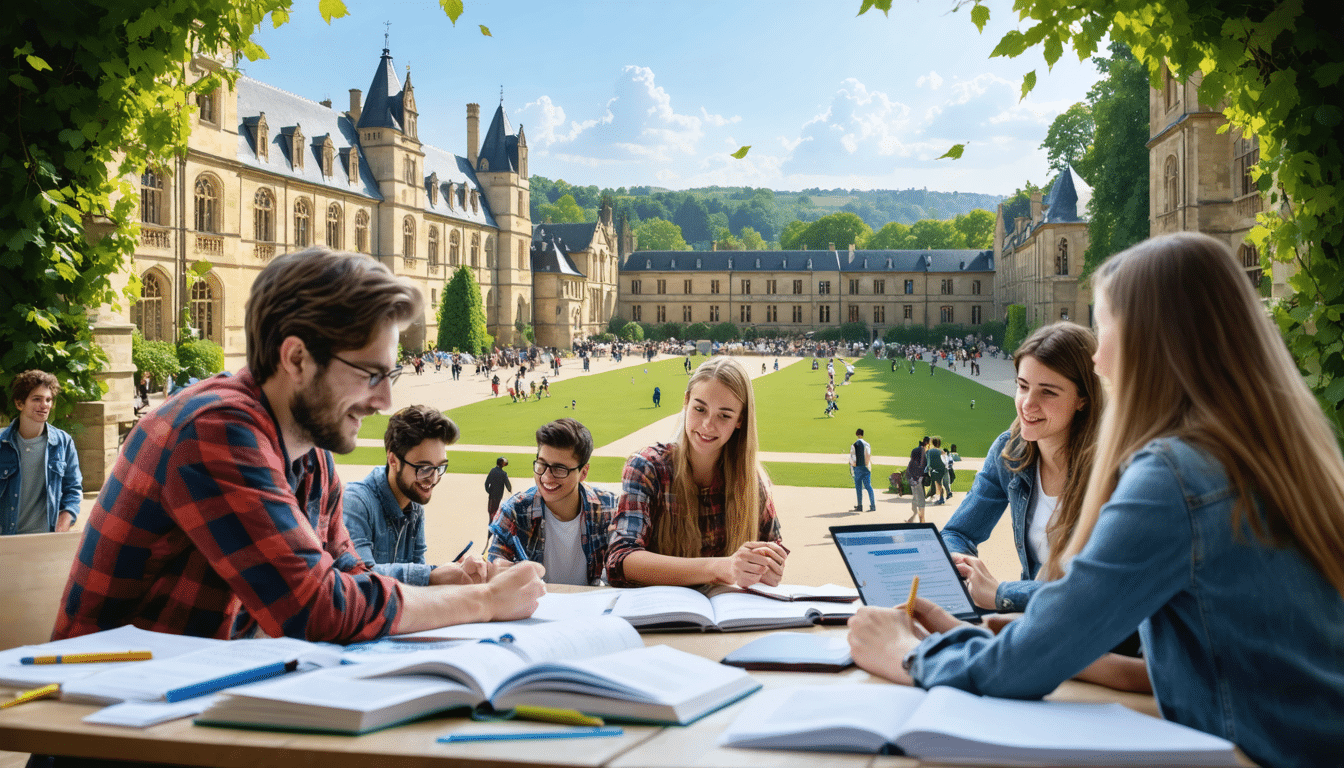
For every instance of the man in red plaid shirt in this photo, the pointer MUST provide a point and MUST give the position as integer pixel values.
(222, 517)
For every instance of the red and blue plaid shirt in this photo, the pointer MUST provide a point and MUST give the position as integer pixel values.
(207, 528)
(523, 515)
(646, 491)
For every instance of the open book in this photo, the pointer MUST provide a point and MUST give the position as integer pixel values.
(827, 593)
(949, 725)
(684, 608)
(599, 666)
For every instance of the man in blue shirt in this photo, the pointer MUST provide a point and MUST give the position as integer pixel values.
(385, 512)
(40, 483)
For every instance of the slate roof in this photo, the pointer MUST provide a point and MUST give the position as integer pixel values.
(572, 237)
(1068, 199)
(382, 107)
(960, 260)
(500, 148)
(285, 111)
(550, 253)
(454, 169)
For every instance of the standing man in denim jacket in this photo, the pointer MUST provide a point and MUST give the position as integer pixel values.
(40, 483)
(385, 512)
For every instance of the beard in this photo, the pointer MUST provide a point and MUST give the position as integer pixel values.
(319, 420)
(410, 491)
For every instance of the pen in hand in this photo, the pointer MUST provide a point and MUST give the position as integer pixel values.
(518, 549)
(910, 604)
(464, 552)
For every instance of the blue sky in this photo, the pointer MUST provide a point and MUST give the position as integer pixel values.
(659, 92)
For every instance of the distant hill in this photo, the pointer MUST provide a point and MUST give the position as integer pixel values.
(765, 210)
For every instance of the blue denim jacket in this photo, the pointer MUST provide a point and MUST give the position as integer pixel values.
(388, 540)
(1244, 640)
(996, 487)
(65, 485)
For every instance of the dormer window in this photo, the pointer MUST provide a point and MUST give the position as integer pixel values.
(784, 263)
(758, 263)
(674, 264)
(484, 165)
(730, 262)
(433, 183)
(352, 164)
(475, 204)
(263, 137)
(296, 149)
(328, 155)
(648, 263)
(888, 263)
(697, 263)
(809, 263)
(450, 195)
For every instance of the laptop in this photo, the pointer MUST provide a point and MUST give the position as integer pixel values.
(883, 558)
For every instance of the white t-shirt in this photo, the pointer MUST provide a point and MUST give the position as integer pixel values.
(1038, 519)
(563, 557)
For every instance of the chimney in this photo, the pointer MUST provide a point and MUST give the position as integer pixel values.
(1036, 206)
(830, 246)
(356, 103)
(473, 133)
(326, 103)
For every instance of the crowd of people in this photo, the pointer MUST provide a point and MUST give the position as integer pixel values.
(1144, 508)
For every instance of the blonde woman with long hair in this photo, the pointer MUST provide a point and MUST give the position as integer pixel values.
(698, 510)
(1188, 530)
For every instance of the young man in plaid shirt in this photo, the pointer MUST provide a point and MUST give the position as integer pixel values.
(223, 516)
(560, 522)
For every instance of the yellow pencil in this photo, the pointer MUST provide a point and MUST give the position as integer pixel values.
(555, 715)
(910, 604)
(88, 658)
(36, 693)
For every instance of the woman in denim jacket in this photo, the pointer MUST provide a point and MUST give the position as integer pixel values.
(47, 499)
(1059, 402)
(1235, 578)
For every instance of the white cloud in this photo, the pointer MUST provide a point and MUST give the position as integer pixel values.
(934, 80)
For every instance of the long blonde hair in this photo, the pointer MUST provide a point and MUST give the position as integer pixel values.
(677, 533)
(1197, 357)
(1065, 348)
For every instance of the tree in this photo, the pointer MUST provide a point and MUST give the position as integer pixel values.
(1117, 166)
(693, 218)
(722, 332)
(562, 211)
(157, 358)
(1069, 137)
(697, 331)
(893, 236)
(615, 324)
(837, 229)
(751, 240)
(724, 241)
(659, 235)
(854, 331)
(931, 233)
(632, 331)
(791, 237)
(199, 358)
(977, 227)
(1276, 70)
(462, 315)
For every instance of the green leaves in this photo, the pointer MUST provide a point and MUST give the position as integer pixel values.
(331, 9)
(882, 5)
(485, 30)
(453, 8)
(1028, 82)
(954, 152)
(741, 153)
(980, 16)
(38, 64)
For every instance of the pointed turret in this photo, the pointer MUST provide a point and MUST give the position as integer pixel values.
(499, 151)
(383, 107)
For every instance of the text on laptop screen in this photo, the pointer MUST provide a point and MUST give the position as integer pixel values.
(885, 562)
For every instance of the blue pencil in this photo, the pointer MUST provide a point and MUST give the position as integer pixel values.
(518, 548)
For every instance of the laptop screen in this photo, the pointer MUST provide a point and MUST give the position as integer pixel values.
(883, 559)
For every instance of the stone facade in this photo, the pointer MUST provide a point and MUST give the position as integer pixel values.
(1199, 179)
(1040, 256)
(575, 269)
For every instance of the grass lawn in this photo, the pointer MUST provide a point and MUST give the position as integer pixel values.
(893, 409)
(608, 404)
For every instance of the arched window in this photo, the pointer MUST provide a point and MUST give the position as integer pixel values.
(433, 253)
(207, 205)
(153, 209)
(1062, 257)
(490, 251)
(475, 249)
(302, 223)
(1171, 182)
(334, 228)
(263, 216)
(362, 231)
(147, 313)
(205, 303)
(454, 247)
(408, 237)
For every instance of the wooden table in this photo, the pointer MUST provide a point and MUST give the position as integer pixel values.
(54, 727)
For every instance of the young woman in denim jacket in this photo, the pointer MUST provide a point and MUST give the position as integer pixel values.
(1048, 449)
(1235, 578)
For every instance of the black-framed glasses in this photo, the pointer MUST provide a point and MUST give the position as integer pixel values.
(426, 471)
(375, 377)
(558, 471)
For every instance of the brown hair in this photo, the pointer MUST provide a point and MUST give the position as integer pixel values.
(331, 301)
(1197, 357)
(415, 424)
(567, 435)
(1065, 348)
(677, 533)
(26, 382)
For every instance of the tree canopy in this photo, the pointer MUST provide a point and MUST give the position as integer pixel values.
(1069, 137)
(462, 315)
(659, 235)
(563, 211)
